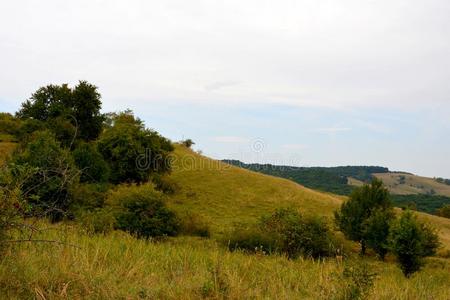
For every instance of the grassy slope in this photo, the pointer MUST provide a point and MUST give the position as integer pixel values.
(118, 266)
(6, 148)
(413, 184)
(224, 194)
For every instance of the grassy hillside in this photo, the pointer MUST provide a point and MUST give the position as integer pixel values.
(6, 148)
(404, 184)
(118, 266)
(225, 194)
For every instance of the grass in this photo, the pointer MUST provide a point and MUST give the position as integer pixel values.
(224, 194)
(6, 149)
(118, 266)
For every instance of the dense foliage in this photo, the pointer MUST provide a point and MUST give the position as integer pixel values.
(421, 202)
(70, 112)
(141, 210)
(48, 189)
(132, 151)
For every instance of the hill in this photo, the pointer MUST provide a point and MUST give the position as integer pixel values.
(408, 190)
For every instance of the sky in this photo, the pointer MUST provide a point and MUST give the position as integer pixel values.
(292, 82)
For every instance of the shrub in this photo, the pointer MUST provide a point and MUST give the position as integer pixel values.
(193, 224)
(91, 163)
(287, 232)
(299, 235)
(187, 143)
(410, 242)
(132, 151)
(140, 210)
(354, 213)
(376, 231)
(48, 189)
(87, 197)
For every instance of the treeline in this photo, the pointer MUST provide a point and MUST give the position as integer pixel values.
(421, 202)
(333, 180)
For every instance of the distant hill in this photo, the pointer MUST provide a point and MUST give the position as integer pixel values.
(408, 190)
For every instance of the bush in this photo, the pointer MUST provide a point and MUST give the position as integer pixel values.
(376, 231)
(140, 210)
(87, 197)
(410, 242)
(358, 280)
(299, 235)
(193, 224)
(48, 189)
(91, 163)
(286, 232)
(444, 211)
(132, 151)
(187, 143)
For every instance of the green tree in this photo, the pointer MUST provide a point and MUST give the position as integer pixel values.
(132, 151)
(74, 112)
(376, 231)
(410, 243)
(354, 213)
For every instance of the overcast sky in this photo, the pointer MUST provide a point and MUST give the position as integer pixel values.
(304, 82)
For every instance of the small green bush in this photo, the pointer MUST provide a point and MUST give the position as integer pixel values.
(140, 210)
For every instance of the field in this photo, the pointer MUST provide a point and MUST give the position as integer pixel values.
(118, 266)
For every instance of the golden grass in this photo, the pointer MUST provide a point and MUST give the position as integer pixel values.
(413, 184)
(118, 266)
(6, 149)
(224, 194)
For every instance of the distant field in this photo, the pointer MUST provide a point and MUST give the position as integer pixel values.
(405, 184)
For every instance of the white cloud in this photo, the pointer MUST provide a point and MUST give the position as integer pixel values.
(332, 129)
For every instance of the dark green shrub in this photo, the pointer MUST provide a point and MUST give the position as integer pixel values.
(48, 189)
(351, 218)
(410, 242)
(187, 143)
(87, 197)
(132, 151)
(376, 231)
(90, 162)
(140, 210)
(194, 225)
(299, 235)
(444, 211)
